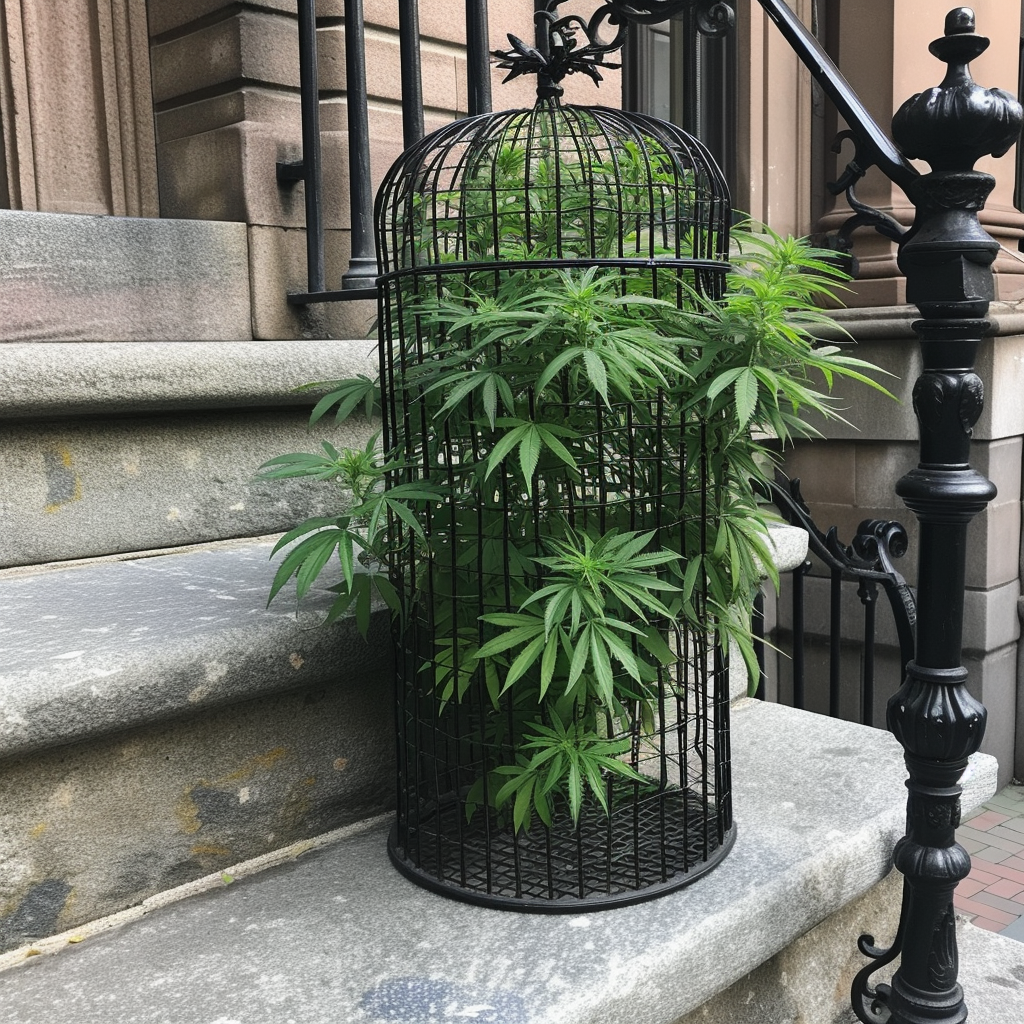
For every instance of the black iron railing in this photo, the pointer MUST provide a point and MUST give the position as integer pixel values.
(709, 98)
(867, 563)
(359, 280)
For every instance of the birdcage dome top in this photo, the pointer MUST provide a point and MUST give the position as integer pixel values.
(553, 182)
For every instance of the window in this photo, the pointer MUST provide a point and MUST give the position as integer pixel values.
(672, 71)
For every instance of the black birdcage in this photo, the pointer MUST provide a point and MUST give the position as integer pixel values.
(562, 703)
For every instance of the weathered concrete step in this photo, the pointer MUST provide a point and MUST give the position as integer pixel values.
(89, 649)
(127, 447)
(158, 722)
(48, 380)
(339, 935)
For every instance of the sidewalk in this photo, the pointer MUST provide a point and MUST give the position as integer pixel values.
(993, 894)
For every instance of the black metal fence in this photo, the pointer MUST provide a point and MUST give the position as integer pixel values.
(359, 281)
(830, 658)
(708, 97)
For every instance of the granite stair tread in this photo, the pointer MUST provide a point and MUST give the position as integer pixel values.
(339, 935)
(91, 648)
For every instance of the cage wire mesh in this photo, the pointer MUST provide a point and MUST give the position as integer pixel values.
(582, 761)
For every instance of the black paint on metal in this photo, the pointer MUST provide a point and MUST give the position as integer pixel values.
(412, 71)
(799, 632)
(478, 62)
(362, 270)
(757, 628)
(868, 594)
(947, 258)
(866, 561)
(309, 169)
(835, 640)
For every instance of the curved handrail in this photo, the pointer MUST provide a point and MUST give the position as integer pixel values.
(869, 557)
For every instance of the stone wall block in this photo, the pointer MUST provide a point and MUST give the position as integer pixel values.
(69, 277)
(84, 488)
(443, 69)
(437, 21)
(827, 473)
(231, 174)
(266, 106)
(990, 618)
(870, 414)
(279, 267)
(76, 110)
(252, 45)
(992, 679)
(993, 540)
(170, 15)
(1000, 365)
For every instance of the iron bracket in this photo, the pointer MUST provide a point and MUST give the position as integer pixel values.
(290, 171)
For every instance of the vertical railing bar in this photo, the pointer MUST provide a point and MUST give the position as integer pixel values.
(412, 71)
(757, 629)
(1018, 182)
(868, 685)
(312, 167)
(478, 69)
(834, 640)
(362, 270)
(692, 47)
(542, 36)
(868, 594)
(798, 635)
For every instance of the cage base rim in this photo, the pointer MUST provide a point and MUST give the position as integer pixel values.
(563, 904)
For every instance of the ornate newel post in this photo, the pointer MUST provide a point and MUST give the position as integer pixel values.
(947, 258)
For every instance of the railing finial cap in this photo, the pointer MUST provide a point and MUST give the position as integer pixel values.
(959, 21)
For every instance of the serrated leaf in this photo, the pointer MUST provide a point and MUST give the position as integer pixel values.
(745, 390)
(596, 372)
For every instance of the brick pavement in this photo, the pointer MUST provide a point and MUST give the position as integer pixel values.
(993, 893)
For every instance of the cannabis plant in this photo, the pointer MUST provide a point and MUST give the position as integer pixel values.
(573, 622)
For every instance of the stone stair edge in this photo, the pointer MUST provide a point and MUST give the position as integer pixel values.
(129, 642)
(93, 677)
(79, 378)
(690, 944)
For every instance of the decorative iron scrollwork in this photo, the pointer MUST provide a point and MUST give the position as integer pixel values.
(863, 215)
(943, 958)
(713, 17)
(560, 52)
(871, 1005)
(868, 558)
(972, 401)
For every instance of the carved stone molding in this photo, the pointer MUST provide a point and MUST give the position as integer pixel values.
(76, 108)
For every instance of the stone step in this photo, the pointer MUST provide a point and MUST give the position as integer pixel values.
(333, 933)
(158, 722)
(129, 446)
(86, 278)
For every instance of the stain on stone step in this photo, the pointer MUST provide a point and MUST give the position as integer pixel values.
(425, 1000)
(63, 485)
(36, 914)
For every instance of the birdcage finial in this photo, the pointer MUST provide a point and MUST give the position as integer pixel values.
(558, 52)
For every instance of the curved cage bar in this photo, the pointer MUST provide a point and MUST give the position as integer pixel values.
(550, 757)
